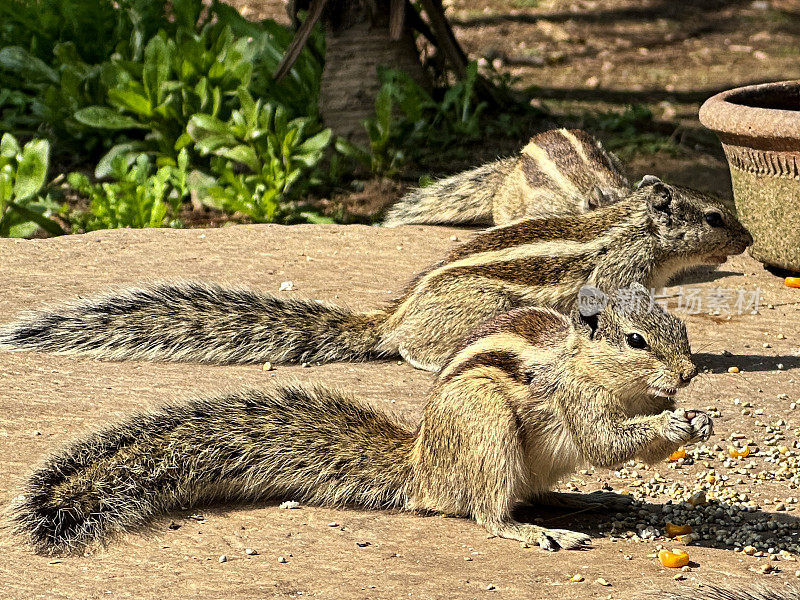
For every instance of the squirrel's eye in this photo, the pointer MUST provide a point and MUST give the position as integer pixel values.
(714, 219)
(635, 340)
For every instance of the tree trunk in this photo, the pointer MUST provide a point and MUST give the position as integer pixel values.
(350, 78)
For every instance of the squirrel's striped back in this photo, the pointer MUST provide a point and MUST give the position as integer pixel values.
(559, 172)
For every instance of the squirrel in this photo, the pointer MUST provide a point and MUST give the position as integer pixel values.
(647, 238)
(525, 400)
(559, 172)
(712, 592)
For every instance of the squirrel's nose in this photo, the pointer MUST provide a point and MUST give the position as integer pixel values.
(688, 373)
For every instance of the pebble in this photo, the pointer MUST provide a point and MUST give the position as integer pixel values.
(767, 568)
(577, 578)
(733, 369)
(289, 504)
(282, 559)
(697, 499)
(333, 524)
(602, 582)
(223, 559)
(267, 366)
(286, 286)
(250, 552)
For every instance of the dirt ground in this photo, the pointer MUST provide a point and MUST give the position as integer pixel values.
(45, 401)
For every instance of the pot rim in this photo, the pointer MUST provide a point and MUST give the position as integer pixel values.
(724, 116)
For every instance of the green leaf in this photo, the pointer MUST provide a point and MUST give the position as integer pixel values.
(211, 143)
(32, 169)
(187, 12)
(127, 150)
(249, 108)
(242, 154)
(9, 147)
(19, 60)
(317, 143)
(182, 142)
(17, 227)
(131, 100)
(39, 219)
(201, 125)
(101, 117)
(156, 68)
(351, 150)
(6, 186)
(316, 218)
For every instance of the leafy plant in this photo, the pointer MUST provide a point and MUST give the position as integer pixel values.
(117, 82)
(140, 195)
(178, 78)
(275, 150)
(408, 118)
(53, 55)
(298, 92)
(97, 29)
(23, 173)
(629, 132)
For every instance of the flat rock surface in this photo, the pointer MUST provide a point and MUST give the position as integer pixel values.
(47, 400)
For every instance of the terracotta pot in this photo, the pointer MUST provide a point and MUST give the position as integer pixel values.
(759, 127)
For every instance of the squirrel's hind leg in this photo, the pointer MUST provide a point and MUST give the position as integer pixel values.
(547, 539)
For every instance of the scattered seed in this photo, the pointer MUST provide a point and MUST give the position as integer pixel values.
(674, 559)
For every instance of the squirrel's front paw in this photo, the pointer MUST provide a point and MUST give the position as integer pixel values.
(688, 426)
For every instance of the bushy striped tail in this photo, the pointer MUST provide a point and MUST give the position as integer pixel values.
(303, 443)
(753, 592)
(462, 199)
(197, 322)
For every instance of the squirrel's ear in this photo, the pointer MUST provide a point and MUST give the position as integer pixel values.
(586, 324)
(648, 180)
(659, 197)
(590, 305)
(596, 198)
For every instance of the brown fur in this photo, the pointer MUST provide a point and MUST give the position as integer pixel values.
(528, 400)
(647, 238)
(559, 172)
